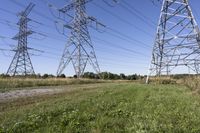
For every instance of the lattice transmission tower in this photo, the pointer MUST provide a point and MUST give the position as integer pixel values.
(177, 42)
(79, 49)
(21, 63)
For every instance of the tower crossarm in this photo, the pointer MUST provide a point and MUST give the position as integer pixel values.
(22, 35)
(27, 11)
(94, 20)
(71, 6)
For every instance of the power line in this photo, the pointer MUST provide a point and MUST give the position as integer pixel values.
(132, 10)
(105, 59)
(120, 47)
(122, 19)
(121, 35)
(117, 32)
(98, 39)
(156, 2)
(34, 11)
(7, 11)
(128, 39)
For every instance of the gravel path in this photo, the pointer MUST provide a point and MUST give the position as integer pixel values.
(11, 95)
(33, 92)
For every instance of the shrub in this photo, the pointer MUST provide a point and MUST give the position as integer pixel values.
(162, 81)
(62, 76)
(193, 83)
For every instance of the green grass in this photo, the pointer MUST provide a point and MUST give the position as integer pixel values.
(7, 84)
(123, 107)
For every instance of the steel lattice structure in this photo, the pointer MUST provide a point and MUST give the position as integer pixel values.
(177, 39)
(21, 63)
(79, 49)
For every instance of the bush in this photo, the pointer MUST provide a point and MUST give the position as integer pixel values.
(193, 83)
(162, 81)
(61, 76)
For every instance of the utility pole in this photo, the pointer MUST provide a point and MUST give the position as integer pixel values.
(21, 63)
(79, 49)
(177, 39)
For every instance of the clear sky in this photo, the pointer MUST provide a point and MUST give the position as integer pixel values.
(124, 49)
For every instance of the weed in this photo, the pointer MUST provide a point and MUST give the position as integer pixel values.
(111, 108)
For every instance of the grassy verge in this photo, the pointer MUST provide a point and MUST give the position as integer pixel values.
(124, 107)
(17, 83)
(162, 80)
(7, 84)
(192, 82)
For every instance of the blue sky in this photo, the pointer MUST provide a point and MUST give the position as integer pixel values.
(128, 52)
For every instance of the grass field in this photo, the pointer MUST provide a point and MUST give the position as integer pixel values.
(7, 84)
(109, 108)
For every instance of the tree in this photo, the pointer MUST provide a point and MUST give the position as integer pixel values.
(45, 76)
(122, 76)
(75, 76)
(89, 75)
(62, 76)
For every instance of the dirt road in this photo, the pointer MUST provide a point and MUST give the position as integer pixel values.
(31, 92)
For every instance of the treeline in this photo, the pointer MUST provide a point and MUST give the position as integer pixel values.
(180, 76)
(44, 76)
(103, 75)
(88, 75)
(112, 76)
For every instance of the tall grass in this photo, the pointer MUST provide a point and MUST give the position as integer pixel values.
(11, 83)
(162, 80)
(126, 108)
(193, 83)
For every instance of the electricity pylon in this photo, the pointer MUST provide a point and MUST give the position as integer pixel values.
(79, 49)
(177, 39)
(21, 63)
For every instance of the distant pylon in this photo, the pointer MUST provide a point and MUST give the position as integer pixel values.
(177, 40)
(21, 63)
(79, 49)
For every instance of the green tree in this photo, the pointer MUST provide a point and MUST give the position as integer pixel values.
(122, 76)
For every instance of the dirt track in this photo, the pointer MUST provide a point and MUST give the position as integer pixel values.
(31, 92)
(27, 93)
